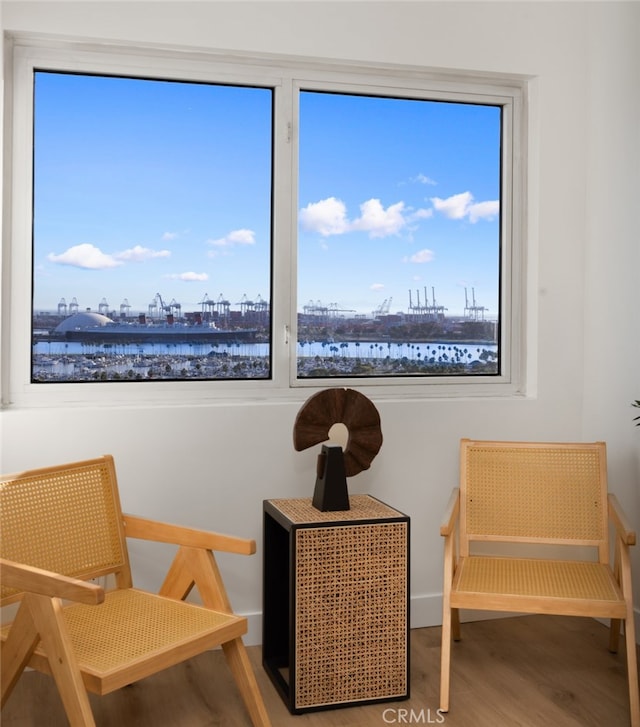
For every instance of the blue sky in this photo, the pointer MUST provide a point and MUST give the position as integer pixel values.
(145, 187)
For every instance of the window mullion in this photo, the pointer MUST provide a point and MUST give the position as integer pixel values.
(283, 235)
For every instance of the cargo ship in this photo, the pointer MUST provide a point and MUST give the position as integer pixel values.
(89, 327)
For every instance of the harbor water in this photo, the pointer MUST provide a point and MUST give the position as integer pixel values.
(58, 361)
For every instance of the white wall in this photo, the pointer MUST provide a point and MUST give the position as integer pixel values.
(212, 466)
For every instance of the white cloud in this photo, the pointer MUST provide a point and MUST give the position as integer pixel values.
(378, 221)
(421, 214)
(484, 210)
(423, 179)
(189, 277)
(90, 257)
(168, 236)
(455, 207)
(235, 238)
(327, 217)
(377, 286)
(85, 256)
(140, 254)
(422, 256)
(462, 205)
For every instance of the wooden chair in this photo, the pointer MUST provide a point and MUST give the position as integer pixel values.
(546, 495)
(62, 527)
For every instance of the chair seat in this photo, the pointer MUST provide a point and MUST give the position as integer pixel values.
(539, 586)
(123, 639)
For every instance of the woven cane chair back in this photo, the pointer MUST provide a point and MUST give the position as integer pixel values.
(534, 492)
(63, 519)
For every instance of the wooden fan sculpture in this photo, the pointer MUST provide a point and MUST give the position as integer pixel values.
(312, 426)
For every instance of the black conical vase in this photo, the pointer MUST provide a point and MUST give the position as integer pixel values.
(331, 492)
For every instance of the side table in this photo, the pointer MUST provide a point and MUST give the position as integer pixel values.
(336, 603)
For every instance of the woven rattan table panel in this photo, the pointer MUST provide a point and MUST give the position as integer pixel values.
(363, 507)
(351, 613)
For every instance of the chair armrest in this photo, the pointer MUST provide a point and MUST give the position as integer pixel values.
(143, 529)
(47, 583)
(451, 513)
(619, 519)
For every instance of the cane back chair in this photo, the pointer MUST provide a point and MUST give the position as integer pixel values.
(543, 494)
(62, 527)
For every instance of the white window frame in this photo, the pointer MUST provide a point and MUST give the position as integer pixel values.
(286, 75)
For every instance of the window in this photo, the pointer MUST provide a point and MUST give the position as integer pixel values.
(146, 194)
(399, 225)
(220, 227)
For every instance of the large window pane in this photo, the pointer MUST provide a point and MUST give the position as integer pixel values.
(398, 237)
(151, 230)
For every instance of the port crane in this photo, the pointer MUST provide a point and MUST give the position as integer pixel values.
(316, 309)
(383, 308)
(419, 308)
(223, 306)
(261, 306)
(437, 310)
(206, 302)
(473, 312)
(245, 304)
(324, 312)
(430, 311)
(334, 310)
(158, 308)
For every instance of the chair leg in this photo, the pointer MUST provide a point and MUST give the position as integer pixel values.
(49, 622)
(614, 635)
(17, 650)
(204, 572)
(632, 670)
(455, 624)
(242, 671)
(445, 657)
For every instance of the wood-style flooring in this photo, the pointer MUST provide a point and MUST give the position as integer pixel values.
(524, 671)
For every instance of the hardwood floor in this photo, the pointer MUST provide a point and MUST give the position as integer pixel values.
(527, 671)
